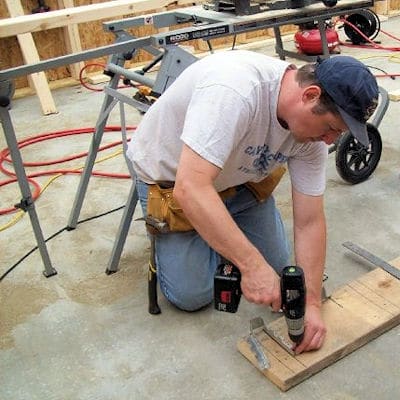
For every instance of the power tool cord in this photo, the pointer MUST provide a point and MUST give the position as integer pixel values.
(53, 236)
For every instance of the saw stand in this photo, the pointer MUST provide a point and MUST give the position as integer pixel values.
(203, 24)
(123, 43)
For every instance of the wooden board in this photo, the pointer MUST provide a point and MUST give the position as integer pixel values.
(72, 40)
(77, 15)
(31, 56)
(394, 95)
(354, 314)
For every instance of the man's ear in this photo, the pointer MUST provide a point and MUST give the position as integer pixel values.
(311, 93)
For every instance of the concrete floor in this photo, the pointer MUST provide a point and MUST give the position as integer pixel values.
(84, 335)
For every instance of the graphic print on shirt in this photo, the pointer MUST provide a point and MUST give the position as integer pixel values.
(262, 159)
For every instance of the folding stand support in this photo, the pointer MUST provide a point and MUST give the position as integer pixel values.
(26, 203)
(124, 43)
(123, 230)
(108, 104)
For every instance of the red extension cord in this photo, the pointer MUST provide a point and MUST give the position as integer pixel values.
(4, 158)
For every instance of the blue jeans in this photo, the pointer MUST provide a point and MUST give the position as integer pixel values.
(186, 263)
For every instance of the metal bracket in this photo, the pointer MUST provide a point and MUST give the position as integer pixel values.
(24, 204)
(257, 325)
(281, 340)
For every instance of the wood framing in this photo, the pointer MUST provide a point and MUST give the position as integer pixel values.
(72, 40)
(60, 18)
(381, 7)
(38, 80)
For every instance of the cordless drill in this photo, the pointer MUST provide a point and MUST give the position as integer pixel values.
(227, 294)
(293, 294)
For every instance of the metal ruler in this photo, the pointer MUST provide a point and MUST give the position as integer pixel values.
(390, 269)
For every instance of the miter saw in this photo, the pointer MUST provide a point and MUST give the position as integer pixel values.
(249, 7)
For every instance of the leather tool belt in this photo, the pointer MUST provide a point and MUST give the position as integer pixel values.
(162, 206)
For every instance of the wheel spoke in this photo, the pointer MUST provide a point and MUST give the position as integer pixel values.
(365, 158)
(358, 163)
(355, 160)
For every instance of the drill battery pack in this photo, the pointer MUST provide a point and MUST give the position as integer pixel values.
(227, 292)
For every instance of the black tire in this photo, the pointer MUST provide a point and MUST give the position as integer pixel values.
(367, 22)
(354, 162)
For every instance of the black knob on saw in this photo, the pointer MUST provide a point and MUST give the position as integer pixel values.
(4, 101)
(293, 292)
(329, 3)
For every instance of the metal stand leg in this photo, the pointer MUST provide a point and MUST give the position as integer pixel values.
(123, 230)
(322, 33)
(282, 53)
(26, 203)
(278, 43)
(129, 207)
(108, 104)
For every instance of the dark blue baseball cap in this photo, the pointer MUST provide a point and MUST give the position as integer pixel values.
(353, 89)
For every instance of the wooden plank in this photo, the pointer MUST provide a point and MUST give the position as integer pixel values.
(394, 95)
(76, 15)
(355, 314)
(381, 7)
(72, 40)
(394, 4)
(29, 52)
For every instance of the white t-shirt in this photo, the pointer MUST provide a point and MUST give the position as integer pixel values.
(224, 107)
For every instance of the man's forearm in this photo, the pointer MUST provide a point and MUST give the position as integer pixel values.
(310, 251)
(207, 213)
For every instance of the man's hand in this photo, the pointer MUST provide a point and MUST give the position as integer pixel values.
(314, 330)
(261, 285)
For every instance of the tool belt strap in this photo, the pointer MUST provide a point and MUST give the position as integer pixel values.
(162, 206)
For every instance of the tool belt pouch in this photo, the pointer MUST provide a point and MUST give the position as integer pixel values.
(162, 206)
(263, 189)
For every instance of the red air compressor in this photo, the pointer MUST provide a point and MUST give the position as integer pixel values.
(308, 39)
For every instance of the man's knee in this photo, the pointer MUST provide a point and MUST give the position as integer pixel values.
(191, 299)
(186, 276)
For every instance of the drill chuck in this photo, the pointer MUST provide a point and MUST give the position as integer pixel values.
(293, 292)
